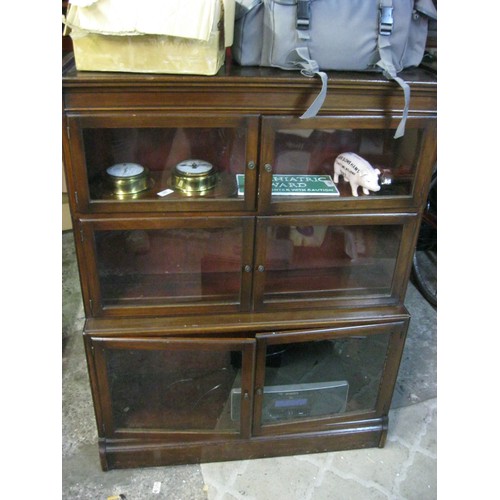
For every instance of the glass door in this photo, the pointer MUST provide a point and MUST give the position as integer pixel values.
(169, 266)
(308, 380)
(154, 162)
(172, 385)
(328, 261)
(354, 162)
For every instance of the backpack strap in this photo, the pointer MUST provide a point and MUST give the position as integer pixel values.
(309, 67)
(301, 57)
(386, 62)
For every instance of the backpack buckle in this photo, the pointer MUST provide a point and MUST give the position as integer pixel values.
(303, 15)
(386, 21)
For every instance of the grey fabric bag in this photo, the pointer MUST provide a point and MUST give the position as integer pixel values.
(348, 35)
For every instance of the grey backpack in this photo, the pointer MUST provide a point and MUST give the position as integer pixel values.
(349, 35)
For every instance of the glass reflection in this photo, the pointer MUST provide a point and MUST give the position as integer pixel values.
(300, 152)
(323, 378)
(159, 151)
(171, 390)
(330, 261)
(148, 267)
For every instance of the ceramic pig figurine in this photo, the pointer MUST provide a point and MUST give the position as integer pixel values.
(357, 171)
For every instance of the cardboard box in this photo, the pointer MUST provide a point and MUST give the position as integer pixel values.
(168, 36)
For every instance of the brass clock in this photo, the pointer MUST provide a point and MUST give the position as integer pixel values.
(127, 178)
(194, 176)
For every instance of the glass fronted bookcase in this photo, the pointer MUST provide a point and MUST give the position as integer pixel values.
(243, 271)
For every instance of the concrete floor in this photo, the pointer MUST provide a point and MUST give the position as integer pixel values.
(404, 469)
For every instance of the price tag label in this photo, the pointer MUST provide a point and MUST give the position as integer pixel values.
(165, 192)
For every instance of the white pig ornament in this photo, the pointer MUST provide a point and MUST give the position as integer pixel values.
(357, 171)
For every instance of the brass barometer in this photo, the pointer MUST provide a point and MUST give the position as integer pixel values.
(127, 178)
(194, 176)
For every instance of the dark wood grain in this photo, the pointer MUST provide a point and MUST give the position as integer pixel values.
(170, 312)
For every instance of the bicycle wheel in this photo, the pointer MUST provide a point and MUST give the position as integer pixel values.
(424, 266)
(424, 275)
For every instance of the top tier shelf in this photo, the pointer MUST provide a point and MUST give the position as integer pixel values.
(249, 90)
(245, 123)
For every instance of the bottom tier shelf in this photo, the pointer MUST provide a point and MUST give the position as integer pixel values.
(127, 453)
